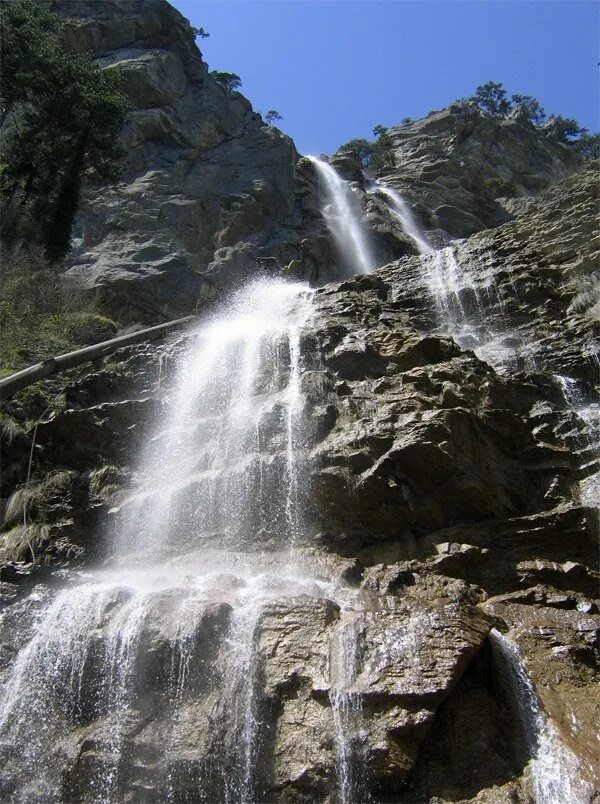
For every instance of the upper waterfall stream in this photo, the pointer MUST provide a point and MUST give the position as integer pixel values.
(400, 209)
(344, 216)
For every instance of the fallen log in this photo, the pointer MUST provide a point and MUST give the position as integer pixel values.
(54, 365)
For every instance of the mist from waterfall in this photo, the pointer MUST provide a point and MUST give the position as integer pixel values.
(402, 212)
(342, 209)
(463, 306)
(208, 474)
(214, 516)
(555, 770)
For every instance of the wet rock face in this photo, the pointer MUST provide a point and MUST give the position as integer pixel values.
(175, 694)
(443, 497)
(445, 473)
(422, 433)
(447, 162)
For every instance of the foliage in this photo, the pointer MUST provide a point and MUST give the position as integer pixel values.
(361, 147)
(23, 542)
(491, 97)
(229, 81)
(272, 115)
(43, 312)
(531, 106)
(501, 188)
(373, 155)
(201, 32)
(105, 480)
(406, 121)
(588, 145)
(61, 116)
(564, 129)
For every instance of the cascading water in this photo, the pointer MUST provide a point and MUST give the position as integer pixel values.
(220, 482)
(345, 662)
(402, 212)
(344, 217)
(461, 305)
(555, 771)
(589, 412)
(463, 308)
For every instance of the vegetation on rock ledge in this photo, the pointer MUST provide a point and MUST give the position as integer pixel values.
(60, 119)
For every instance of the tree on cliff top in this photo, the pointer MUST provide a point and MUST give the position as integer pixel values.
(491, 97)
(531, 106)
(229, 81)
(272, 115)
(61, 115)
(373, 155)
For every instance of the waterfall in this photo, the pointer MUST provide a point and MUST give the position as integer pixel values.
(460, 303)
(343, 213)
(589, 412)
(555, 770)
(206, 474)
(345, 661)
(219, 489)
(463, 308)
(403, 214)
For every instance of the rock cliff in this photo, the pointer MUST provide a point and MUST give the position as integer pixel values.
(208, 188)
(210, 193)
(449, 452)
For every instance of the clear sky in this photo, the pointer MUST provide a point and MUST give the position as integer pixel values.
(335, 68)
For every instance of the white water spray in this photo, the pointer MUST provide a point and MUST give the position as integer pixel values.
(403, 214)
(555, 771)
(206, 473)
(346, 704)
(221, 476)
(344, 216)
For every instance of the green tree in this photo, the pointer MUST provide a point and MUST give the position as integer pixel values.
(491, 97)
(361, 147)
(201, 32)
(61, 117)
(588, 145)
(229, 81)
(373, 155)
(383, 155)
(532, 106)
(272, 115)
(565, 129)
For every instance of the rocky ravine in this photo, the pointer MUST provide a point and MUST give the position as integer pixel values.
(442, 493)
(449, 481)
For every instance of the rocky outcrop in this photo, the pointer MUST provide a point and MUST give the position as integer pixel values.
(445, 471)
(456, 166)
(208, 193)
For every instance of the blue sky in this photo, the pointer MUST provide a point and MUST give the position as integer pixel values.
(335, 68)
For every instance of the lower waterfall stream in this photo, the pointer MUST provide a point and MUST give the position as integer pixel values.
(204, 541)
(553, 766)
(218, 484)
